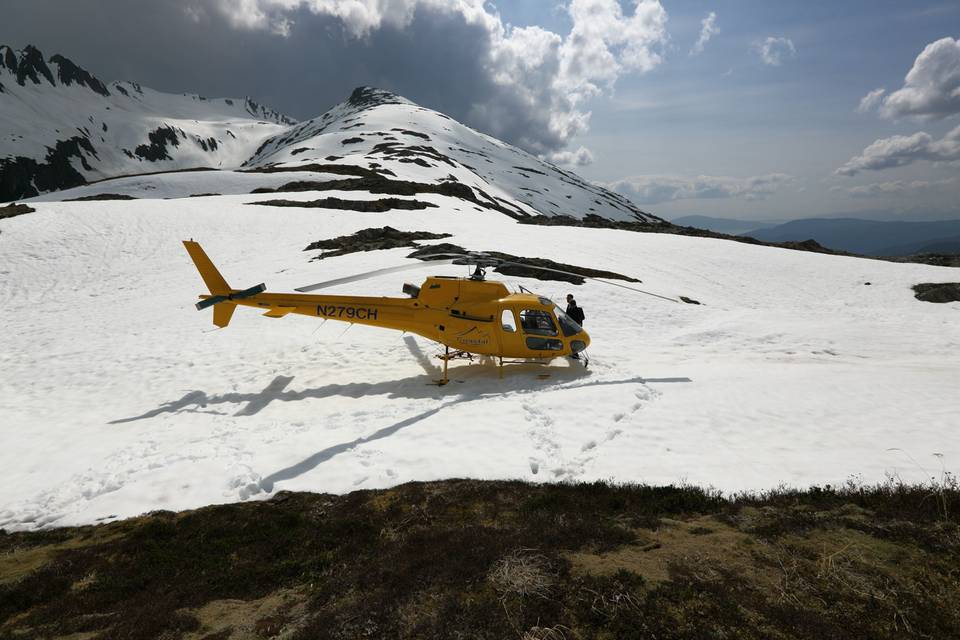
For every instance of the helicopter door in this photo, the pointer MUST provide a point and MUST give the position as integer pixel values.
(511, 339)
(540, 332)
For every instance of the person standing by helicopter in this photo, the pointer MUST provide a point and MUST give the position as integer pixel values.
(576, 314)
(573, 310)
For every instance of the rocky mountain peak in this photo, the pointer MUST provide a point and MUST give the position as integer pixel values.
(68, 73)
(8, 58)
(365, 97)
(29, 65)
(258, 110)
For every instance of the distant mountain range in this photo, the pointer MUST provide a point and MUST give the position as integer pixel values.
(722, 225)
(868, 237)
(854, 235)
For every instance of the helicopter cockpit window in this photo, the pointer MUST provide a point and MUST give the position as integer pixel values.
(507, 321)
(537, 322)
(568, 325)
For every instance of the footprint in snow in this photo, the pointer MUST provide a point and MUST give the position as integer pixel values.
(244, 483)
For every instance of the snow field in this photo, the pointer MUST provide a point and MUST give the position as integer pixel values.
(117, 397)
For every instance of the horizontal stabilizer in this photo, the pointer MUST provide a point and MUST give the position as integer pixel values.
(279, 312)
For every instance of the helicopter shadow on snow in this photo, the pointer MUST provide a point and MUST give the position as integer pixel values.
(413, 387)
(469, 382)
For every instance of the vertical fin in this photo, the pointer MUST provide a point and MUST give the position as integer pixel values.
(222, 313)
(211, 277)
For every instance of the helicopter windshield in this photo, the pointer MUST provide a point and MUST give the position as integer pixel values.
(568, 325)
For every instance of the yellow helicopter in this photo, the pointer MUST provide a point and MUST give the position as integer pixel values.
(466, 315)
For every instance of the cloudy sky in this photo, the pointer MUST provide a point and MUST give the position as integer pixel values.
(739, 108)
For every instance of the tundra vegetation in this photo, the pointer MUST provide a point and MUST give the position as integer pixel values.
(465, 558)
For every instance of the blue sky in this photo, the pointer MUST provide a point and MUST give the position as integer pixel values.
(609, 87)
(726, 113)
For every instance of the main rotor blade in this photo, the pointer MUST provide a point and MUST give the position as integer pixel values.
(375, 272)
(580, 275)
(442, 255)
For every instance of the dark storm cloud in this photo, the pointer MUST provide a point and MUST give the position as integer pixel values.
(161, 45)
(510, 83)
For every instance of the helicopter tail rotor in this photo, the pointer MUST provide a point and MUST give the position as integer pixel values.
(220, 291)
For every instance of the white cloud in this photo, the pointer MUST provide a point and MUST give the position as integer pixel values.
(895, 188)
(773, 51)
(543, 78)
(899, 151)
(664, 188)
(604, 43)
(870, 101)
(579, 158)
(931, 90)
(708, 29)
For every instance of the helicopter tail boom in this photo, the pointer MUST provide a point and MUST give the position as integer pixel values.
(211, 277)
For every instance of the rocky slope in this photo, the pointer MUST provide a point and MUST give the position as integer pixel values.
(60, 126)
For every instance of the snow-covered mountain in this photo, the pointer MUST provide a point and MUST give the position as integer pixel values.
(60, 127)
(382, 131)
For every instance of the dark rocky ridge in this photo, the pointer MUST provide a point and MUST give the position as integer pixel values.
(933, 259)
(374, 182)
(373, 239)
(258, 110)
(68, 73)
(940, 292)
(366, 97)
(101, 197)
(25, 177)
(337, 169)
(529, 267)
(13, 209)
(364, 206)
(157, 149)
(30, 65)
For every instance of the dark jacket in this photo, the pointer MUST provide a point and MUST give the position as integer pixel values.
(575, 312)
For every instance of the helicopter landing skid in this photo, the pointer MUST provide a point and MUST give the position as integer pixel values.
(447, 356)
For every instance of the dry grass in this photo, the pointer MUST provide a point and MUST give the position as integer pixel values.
(502, 560)
(523, 572)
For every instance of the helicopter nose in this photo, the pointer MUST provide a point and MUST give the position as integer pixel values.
(581, 342)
